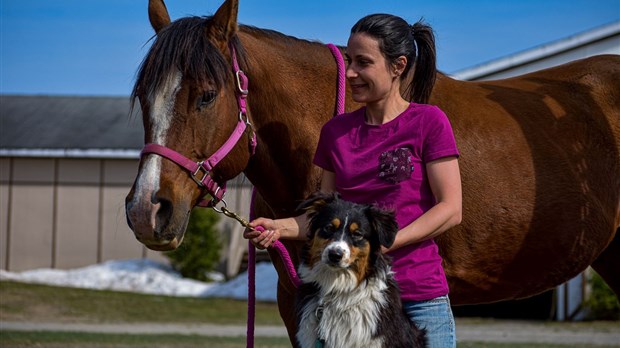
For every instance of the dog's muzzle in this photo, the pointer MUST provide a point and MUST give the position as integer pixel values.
(337, 255)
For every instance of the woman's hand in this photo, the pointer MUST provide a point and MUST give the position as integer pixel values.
(263, 234)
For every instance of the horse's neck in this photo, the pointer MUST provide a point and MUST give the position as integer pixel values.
(292, 94)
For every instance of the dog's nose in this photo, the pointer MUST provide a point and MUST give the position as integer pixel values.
(335, 255)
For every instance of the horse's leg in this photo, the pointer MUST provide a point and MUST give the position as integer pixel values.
(607, 265)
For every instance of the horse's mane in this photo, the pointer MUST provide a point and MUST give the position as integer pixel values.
(183, 45)
(275, 35)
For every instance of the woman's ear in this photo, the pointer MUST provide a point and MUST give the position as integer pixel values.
(399, 66)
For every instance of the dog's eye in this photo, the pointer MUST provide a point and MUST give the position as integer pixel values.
(327, 231)
(357, 235)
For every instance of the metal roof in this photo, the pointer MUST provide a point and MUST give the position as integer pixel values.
(539, 52)
(69, 126)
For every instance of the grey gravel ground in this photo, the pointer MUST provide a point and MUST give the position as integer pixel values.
(467, 331)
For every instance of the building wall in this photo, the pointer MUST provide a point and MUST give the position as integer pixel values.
(76, 213)
(67, 213)
(4, 209)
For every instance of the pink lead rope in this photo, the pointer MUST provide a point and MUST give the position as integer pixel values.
(341, 78)
(278, 246)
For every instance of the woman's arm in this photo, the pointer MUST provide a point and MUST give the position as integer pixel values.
(328, 181)
(287, 228)
(445, 181)
(274, 229)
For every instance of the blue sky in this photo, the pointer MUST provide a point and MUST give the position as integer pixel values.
(93, 47)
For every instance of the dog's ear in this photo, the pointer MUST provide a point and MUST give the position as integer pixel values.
(316, 201)
(313, 205)
(384, 223)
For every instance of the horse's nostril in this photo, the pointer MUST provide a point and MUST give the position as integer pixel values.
(164, 213)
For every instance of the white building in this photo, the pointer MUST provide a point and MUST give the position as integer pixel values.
(601, 40)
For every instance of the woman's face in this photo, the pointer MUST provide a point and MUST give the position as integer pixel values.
(370, 75)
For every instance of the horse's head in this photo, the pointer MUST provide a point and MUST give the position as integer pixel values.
(188, 96)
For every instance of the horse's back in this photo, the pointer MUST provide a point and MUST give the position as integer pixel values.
(540, 160)
(575, 102)
(592, 84)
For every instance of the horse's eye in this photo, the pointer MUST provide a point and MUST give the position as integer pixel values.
(207, 98)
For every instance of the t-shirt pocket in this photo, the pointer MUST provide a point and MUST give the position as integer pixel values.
(396, 165)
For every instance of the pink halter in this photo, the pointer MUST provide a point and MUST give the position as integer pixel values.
(201, 171)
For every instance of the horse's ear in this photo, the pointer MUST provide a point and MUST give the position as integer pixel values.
(158, 15)
(223, 25)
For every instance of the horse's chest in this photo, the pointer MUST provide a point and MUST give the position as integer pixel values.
(339, 323)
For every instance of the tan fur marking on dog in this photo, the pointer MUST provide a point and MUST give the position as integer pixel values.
(360, 258)
(317, 205)
(353, 227)
(336, 223)
(316, 249)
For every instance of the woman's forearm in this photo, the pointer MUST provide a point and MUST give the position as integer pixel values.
(434, 222)
(445, 181)
(293, 227)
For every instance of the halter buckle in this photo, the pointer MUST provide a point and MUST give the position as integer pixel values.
(242, 81)
(200, 181)
(243, 117)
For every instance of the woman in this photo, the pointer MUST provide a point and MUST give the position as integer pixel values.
(396, 153)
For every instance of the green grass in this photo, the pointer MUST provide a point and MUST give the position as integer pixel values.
(13, 339)
(41, 303)
(525, 345)
(89, 340)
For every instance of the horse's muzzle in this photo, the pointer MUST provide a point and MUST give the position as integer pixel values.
(151, 222)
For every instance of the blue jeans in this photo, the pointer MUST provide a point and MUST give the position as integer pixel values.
(436, 317)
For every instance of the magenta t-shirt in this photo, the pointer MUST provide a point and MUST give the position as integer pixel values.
(385, 165)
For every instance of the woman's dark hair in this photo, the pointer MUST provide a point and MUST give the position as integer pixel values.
(416, 42)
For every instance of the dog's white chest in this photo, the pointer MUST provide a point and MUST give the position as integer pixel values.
(342, 321)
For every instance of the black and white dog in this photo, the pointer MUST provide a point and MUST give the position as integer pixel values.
(349, 297)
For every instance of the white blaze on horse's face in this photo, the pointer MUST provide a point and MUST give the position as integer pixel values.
(160, 116)
(162, 107)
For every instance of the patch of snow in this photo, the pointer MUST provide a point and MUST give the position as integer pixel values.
(150, 277)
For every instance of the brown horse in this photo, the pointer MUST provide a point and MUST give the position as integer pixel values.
(540, 153)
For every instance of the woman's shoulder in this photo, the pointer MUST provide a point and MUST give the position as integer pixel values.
(428, 110)
(346, 119)
(421, 114)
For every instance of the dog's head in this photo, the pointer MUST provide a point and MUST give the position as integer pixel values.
(346, 235)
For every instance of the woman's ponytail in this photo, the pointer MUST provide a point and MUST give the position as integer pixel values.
(425, 64)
